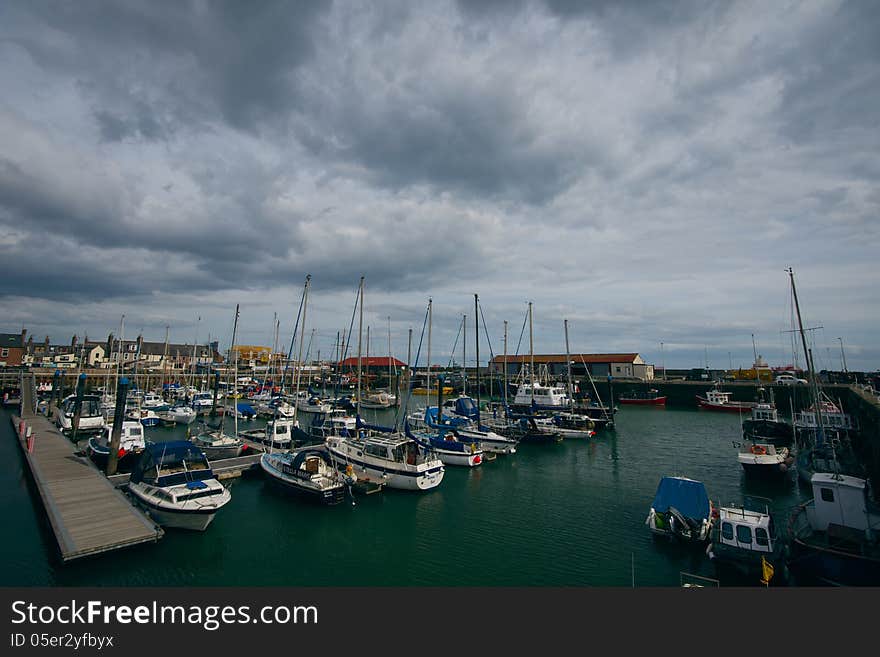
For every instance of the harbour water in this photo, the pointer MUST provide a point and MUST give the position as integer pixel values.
(566, 514)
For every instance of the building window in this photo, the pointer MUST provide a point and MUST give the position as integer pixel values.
(617, 369)
(744, 534)
(727, 530)
(4, 353)
(827, 494)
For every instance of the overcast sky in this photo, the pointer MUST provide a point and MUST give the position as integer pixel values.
(646, 171)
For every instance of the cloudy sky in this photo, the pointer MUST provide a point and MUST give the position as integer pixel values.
(646, 171)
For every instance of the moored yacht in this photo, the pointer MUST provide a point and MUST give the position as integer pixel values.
(391, 457)
(681, 510)
(764, 460)
(309, 472)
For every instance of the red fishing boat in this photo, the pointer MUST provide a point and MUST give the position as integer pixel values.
(650, 397)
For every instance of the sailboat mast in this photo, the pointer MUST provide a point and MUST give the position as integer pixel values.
(165, 362)
(302, 336)
(814, 387)
(505, 366)
(389, 353)
(568, 367)
(477, 353)
(360, 331)
(464, 354)
(428, 380)
(234, 353)
(531, 354)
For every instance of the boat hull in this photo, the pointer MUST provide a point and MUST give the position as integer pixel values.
(192, 519)
(391, 475)
(730, 407)
(628, 401)
(327, 496)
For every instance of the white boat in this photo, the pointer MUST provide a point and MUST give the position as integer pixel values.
(335, 423)
(154, 402)
(747, 541)
(203, 401)
(720, 400)
(174, 483)
(91, 417)
(378, 400)
(392, 458)
(218, 445)
(764, 460)
(834, 536)
(178, 414)
(312, 404)
(543, 396)
(131, 443)
(147, 417)
(448, 444)
(277, 434)
(309, 472)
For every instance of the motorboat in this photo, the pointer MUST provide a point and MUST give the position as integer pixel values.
(309, 472)
(651, 397)
(764, 460)
(720, 400)
(217, 445)
(681, 510)
(747, 541)
(131, 443)
(173, 481)
(278, 433)
(91, 417)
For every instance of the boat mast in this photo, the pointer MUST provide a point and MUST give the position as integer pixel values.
(477, 353)
(464, 353)
(389, 354)
(233, 354)
(505, 366)
(165, 363)
(568, 368)
(531, 355)
(302, 332)
(814, 387)
(428, 380)
(193, 364)
(360, 330)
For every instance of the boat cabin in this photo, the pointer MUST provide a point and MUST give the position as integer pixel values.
(840, 501)
(832, 418)
(746, 530)
(765, 412)
(542, 395)
(171, 463)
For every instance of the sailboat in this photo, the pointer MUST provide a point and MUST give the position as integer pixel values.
(214, 442)
(834, 537)
(399, 460)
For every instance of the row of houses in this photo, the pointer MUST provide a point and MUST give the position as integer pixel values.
(18, 350)
(21, 350)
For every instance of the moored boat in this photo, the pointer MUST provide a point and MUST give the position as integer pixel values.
(746, 540)
(309, 472)
(764, 460)
(681, 510)
(175, 484)
(719, 400)
(650, 397)
(834, 536)
(131, 443)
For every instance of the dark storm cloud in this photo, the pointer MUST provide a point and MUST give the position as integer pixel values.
(233, 58)
(181, 152)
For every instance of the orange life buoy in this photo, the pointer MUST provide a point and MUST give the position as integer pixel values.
(757, 449)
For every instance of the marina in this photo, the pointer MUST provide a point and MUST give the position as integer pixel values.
(570, 513)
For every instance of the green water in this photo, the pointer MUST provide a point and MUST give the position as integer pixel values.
(567, 514)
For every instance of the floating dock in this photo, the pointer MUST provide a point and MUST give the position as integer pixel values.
(87, 514)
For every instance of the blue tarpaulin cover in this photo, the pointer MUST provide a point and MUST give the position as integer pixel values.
(686, 495)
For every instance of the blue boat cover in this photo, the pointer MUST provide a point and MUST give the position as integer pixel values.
(245, 408)
(466, 407)
(686, 495)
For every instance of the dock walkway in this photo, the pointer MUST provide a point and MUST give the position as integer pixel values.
(87, 514)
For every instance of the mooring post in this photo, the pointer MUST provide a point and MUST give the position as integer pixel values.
(216, 393)
(77, 404)
(116, 431)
